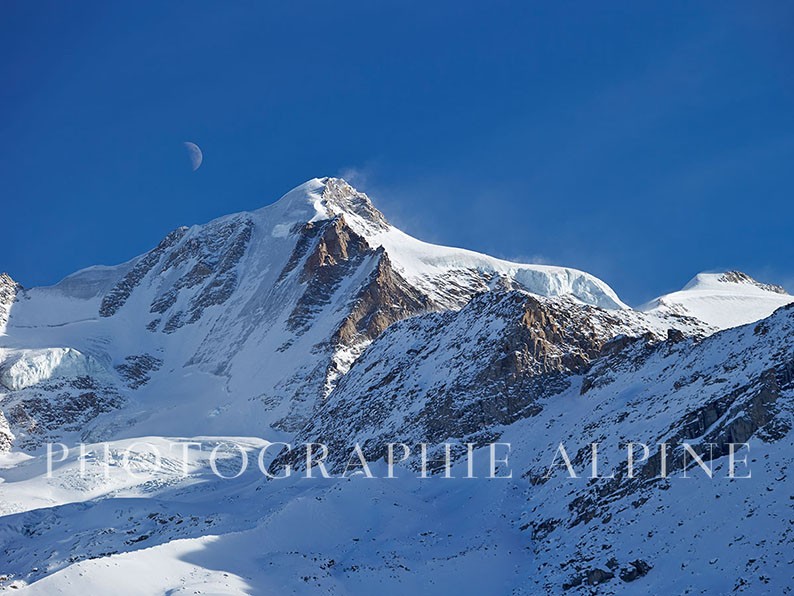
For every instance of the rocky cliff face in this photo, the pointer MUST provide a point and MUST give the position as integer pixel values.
(535, 373)
(465, 374)
(8, 293)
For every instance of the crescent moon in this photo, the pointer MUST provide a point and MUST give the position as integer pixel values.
(194, 153)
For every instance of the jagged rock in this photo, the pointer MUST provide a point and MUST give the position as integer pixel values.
(48, 410)
(385, 299)
(675, 335)
(6, 436)
(8, 292)
(117, 296)
(137, 368)
(339, 197)
(595, 577)
(637, 569)
(500, 354)
(337, 252)
(739, 277)
(215, 257)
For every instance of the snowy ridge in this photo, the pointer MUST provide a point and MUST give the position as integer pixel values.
(722, 300)
(432, 267)
(293, 279)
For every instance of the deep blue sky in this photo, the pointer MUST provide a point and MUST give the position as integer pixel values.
(640, 142)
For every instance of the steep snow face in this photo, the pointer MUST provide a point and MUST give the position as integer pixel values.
(722, 300)
(24, 368)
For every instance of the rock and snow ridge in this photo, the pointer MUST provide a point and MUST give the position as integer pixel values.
(313, 319)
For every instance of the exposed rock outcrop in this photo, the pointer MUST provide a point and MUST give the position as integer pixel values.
(385, 299)
(738, 277)
(136, 370)
(337, 252)
(8, 293)
(120, 293)
(6, 436)
(53, 409)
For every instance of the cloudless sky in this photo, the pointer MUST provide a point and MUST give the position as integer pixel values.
(642, 142)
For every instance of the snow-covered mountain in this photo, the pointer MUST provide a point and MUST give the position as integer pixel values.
(723, 300)
(313, 320)
(310, 281)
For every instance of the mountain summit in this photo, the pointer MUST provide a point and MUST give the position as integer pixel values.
(722, 300)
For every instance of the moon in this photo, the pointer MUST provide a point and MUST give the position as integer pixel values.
(194, 153)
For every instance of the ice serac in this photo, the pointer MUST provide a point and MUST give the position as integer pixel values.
(51, 394)
(24, 368)
(722, 300)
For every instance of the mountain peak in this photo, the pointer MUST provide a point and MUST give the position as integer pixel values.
(725, 280)
(340, 198)
(449, 276)
(722, 300)
(323, 198)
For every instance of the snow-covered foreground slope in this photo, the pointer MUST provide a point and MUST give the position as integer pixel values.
(722, 300)
(314, 320)
(169, 533)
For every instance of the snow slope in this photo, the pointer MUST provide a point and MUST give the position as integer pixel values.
(165, 532)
